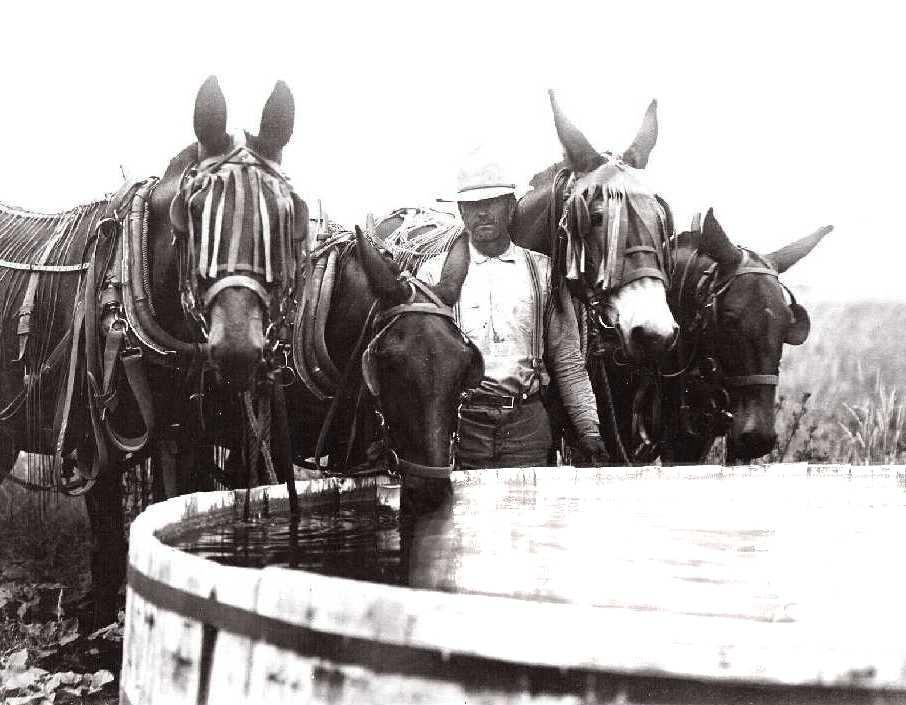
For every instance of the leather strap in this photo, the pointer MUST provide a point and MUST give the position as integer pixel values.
(538, 329)
(309, 321)
(237, 178)
(433, 472)
(322, 312)
(642, 272)
(62, 422)
(752, 380)
(133, 366)
(28, 301)
(415, 307)
(242, 281)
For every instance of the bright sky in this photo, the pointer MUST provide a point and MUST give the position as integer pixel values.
(783, 117)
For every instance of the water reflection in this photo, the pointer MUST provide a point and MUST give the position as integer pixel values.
(759, 549)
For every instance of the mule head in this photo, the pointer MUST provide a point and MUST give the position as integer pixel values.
(419, 363)
(614, 253)
(752, 321)
(235, 218)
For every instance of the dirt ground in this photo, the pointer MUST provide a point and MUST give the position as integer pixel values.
(49, 650)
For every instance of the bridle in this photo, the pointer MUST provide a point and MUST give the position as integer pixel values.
(600, 203)
(200, 253)
(708, 291)
(701, 366)
(382, 323)
(377, 324)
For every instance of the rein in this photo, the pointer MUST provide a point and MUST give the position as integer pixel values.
(708, 291)
(435, 307)
(701, 363)
(377, 324)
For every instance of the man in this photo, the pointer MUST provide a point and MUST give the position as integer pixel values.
(501, 309)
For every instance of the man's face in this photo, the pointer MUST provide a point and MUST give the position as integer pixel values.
(487, 220)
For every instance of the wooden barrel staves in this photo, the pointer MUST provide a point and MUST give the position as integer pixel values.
(201, 632)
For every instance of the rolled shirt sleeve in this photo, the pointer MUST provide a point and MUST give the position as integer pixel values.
(566, 365)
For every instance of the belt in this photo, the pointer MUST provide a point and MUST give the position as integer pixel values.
(499, 401)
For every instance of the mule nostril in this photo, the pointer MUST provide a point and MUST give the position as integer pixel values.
(754, 444)
(648, 342)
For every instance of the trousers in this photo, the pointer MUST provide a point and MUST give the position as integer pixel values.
(501, 438)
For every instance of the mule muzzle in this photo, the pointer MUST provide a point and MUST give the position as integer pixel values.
(649, 344)
(750, 438)
(236, 337)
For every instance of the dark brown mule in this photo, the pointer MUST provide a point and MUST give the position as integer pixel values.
(158, 308)
(403, 365)
(735, 318)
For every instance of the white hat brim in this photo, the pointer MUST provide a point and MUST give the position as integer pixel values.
(480, 194)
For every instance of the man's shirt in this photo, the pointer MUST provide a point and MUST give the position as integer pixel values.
(497, 311)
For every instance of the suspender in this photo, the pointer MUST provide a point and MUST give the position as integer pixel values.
(537, 351)
(538, 331)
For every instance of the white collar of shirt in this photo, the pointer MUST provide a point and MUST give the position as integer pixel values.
(508, 255)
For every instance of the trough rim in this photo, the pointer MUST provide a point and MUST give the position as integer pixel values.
(510, 630)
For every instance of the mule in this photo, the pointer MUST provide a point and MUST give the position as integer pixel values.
(735, 319)
(401, 367)
(606, 232)
(119, 307)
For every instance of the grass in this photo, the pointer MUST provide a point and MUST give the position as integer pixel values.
(842, 396)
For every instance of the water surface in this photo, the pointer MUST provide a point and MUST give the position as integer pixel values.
(755, 548)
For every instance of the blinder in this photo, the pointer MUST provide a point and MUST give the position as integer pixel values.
(800, 326)
(258, 252)
(603, 209)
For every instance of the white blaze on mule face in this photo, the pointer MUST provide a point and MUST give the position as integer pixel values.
(646, 324)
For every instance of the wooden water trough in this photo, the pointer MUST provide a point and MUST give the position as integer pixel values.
(813, 610)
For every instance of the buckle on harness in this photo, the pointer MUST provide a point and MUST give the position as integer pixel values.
(133, 351)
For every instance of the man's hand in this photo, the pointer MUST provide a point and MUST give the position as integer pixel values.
(594, 450)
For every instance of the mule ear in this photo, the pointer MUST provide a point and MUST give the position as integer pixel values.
(580, 155)
(786, 257)
(454, 271)
(384, 282)
(277, 120)
(638, 152)
(716, 244)
(210, 117)
(799, 329)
